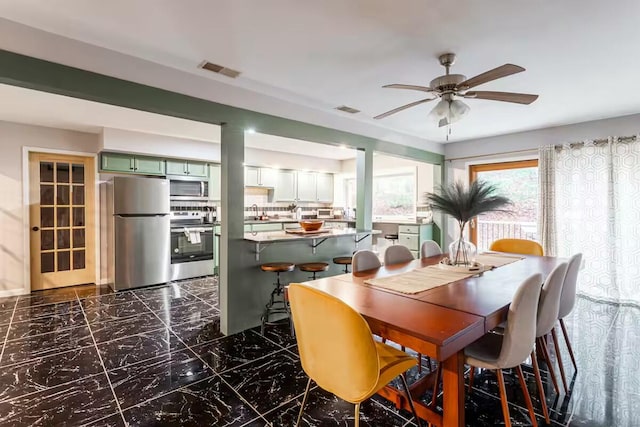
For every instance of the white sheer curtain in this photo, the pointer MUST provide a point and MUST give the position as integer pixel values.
(590, 203)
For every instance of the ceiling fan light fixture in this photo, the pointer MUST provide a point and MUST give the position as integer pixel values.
(457, 110)
(440, 111)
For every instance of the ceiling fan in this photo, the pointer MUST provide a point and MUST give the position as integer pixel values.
(449, 87)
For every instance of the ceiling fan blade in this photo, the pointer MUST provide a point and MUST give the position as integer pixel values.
(497, 73)
(518, 98)
(410, 87)
(404, 107)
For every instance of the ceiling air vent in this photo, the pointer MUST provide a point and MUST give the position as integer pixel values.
(347, 109)
(220, 69)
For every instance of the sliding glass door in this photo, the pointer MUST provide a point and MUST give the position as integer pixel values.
(519, 182)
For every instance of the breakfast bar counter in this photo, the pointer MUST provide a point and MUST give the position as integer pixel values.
(288, 235)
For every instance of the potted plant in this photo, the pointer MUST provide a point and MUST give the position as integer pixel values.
(464, 203)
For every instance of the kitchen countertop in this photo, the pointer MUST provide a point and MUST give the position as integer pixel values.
(407, 222)
(282, 236)
(291, 220)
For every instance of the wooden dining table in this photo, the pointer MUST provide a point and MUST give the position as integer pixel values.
(439, 322)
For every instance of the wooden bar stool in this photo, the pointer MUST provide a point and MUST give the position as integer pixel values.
(277, 303)
(313, 268)
(343, 260)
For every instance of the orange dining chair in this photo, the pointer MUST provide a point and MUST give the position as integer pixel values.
(517, 246)
(338, 352)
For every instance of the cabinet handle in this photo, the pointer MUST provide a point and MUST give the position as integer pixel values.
(131, 164)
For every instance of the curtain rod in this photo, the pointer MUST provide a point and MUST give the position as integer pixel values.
(530, 150)
(601, 141)
(559, 146)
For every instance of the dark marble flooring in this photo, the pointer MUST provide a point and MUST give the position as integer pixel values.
(155, 357)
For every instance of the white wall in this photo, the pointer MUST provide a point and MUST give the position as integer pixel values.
(13, 137)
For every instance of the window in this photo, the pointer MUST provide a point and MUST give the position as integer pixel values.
(519, 182)
(394, 195)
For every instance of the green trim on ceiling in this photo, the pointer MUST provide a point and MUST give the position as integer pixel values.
(33, 73)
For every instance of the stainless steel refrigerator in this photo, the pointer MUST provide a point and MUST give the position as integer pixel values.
(138, 241)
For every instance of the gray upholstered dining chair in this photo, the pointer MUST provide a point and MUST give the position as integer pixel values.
(568, 299)
(547, 314)
(429, 248)
(397, 254)
(364, 260)
(509, 350)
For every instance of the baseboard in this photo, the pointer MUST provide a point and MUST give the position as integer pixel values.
(12, 292)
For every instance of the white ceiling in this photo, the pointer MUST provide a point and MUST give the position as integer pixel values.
(581, 56)
(45, 109)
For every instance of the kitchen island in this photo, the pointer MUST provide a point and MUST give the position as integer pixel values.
(312, 239)
(280, 246)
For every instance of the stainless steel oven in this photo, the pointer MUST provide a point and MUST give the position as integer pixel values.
(187, 188)
(192, 249)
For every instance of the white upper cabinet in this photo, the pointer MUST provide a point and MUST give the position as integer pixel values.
(285, 188)
(324, 192)
(307, 182)
(268, 177)
(259, 177)
(251, 176)
(214, 183)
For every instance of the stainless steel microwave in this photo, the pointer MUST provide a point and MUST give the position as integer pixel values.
(186, 188)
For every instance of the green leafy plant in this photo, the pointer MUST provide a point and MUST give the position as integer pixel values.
(464, 203)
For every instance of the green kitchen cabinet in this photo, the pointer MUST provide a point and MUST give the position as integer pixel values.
(307, 183)
(117, 162)
(149, 166)
(256, 228)
(187, 168)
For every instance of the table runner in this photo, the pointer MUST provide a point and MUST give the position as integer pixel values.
(433, 276)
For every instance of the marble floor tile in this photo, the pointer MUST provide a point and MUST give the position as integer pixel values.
(202, 284)
(42, 325)
(229, 352)
(8, 303)
(46, 372)
(52, 296)
(37, 346)
(109, 299)
(168, 303)
(84, 291)
(116, 329)
(73, 404)
(29, 313)
(208, 296)
(187, 313)
(197, 332)
(114, 420)
(103, 313)
(144, 381)
(279, 334)
(209, 402)
(136, 348)
(324, 409)
(268, 382)
(154, 292)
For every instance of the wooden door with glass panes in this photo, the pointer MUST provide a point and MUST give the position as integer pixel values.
(62, 220)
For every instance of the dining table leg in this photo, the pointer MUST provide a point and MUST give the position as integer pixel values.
(453, 391)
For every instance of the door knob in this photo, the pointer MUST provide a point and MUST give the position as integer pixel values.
(36, 228)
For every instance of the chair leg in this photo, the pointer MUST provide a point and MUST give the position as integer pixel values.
(566, 340)
(304, 401)
(356, 420)
(552, 372)
(527, 398)
(413, 409)
(434, 395)
(543, 399)
(503, 398)
(419, 363)
(472, 371)
(559, 359)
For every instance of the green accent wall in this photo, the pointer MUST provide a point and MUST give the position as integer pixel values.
(33, 73)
